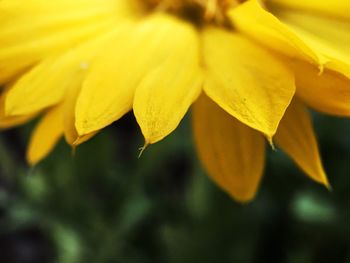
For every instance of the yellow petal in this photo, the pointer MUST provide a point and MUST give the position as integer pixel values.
(69, 104)
(246, 80)
(232, 153)
(34, 29)
(11, 121)
(296, 137)
(45, 136)
(326, 35)
(41, 87)
(165, 93)
(109, 89)
(7, 122)
(46, 84)
(338, 8)
(328, 92)
(251, 19)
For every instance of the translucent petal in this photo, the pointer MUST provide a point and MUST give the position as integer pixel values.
(232, 153)
(252, 19)
(328, 92)
(296, 137)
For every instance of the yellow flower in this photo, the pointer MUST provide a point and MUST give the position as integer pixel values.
(248, 68)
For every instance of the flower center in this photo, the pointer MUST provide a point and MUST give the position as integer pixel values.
(198, 10)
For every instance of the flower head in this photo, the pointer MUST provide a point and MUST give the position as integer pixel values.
(247, 67)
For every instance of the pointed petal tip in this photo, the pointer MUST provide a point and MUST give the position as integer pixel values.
(77, 141)
(328, 186)
(143, 148)
(152, 137)
(320, 177)
(84, 132)
(269, 139)
(325, 182)
(82, 129)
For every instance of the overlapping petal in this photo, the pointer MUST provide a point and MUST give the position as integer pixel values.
(327, 92)
(232, 153)
(146, 58)
(324, 34)
(85, 63)
(256, 22)
(246, 80)
(35, 29)
(296, 137)
(338, 8)
(167, 91)
(11, 121)
(62, 72)
(45, 136)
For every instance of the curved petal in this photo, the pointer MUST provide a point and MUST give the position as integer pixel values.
(45, 136)
(108, 90)
(32, 31)
(324, 34)
(338, 8)
(132, 57)
(7, 122)
(253, 20)
(232, 153)
(246, 80)
(165, 94)
(296, 137)
(328, 92)
(46, 84)
(68, 105)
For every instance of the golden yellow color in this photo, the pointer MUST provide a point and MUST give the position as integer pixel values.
(239, 174)
(249, 68)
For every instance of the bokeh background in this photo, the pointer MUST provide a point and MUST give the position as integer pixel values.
(103, 204)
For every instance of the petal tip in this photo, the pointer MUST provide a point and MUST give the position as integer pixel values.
(31, 159)
(143, 148)
(83, 127)
(325, 182)
(243, 198)
(271, 142)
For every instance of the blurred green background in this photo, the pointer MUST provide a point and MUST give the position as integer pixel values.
(105, 205)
